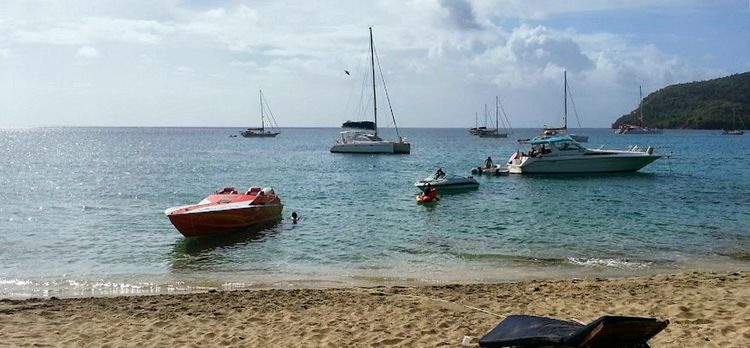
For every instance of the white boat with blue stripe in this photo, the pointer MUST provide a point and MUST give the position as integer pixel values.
(564, 155)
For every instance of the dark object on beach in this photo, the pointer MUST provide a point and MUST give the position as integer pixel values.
(607, 331)
(295, 217)
(359, 125)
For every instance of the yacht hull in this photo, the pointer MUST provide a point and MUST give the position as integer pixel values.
(583, 164)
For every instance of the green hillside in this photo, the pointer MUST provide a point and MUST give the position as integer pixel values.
(695, 105)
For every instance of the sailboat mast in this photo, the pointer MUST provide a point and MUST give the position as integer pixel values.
(485, 115)
(262, 125)
(497, 113)
(565, 96)
(374, 96)
(640, 106)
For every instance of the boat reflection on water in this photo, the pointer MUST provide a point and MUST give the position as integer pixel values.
(202, 252)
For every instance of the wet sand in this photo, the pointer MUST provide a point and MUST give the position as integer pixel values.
(704, 309)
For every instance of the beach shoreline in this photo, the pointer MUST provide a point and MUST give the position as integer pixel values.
(704, 308)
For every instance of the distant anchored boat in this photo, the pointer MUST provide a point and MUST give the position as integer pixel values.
(262, 131)
(734, 130)
(639, 128)
(497, 132)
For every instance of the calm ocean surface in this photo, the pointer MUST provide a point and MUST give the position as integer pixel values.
(82, 211)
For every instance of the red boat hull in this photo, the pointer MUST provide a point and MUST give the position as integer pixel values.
(224, 213)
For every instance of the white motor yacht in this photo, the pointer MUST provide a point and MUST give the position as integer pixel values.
(564, 155)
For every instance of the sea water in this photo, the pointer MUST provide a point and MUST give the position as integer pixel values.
(82, 211)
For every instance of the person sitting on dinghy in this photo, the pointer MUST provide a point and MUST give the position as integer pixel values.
(429, 191)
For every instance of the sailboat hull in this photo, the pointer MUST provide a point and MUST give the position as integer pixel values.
(638, 130)
(259, 135)
(493, 135)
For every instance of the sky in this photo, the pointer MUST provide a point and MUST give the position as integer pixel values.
(200, 63)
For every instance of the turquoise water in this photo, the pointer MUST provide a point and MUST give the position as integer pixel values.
(82, 211)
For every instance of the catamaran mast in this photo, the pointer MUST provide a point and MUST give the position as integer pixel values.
(497, 113)
(565, 95)
(374, 97)
(262, 125)
(485, 115)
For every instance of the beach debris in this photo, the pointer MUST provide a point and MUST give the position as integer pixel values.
(466, 342)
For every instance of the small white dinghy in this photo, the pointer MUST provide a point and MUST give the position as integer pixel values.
(495, 170)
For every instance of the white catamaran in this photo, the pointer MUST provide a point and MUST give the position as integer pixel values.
(368, 141)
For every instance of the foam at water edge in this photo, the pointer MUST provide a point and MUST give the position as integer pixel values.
(615, 263)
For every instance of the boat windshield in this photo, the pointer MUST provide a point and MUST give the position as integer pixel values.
(567, 145)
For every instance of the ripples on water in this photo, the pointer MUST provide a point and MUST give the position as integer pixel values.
(82, 211)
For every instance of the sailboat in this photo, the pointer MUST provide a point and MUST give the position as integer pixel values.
(734, 130)
(639, 128)
(494, 133)
(556, 131)
(262, 132)
(368, 141)
(476, 129)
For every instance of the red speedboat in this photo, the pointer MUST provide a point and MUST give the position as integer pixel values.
(225, 211)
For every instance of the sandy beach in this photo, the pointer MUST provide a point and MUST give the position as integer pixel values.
(705, 310)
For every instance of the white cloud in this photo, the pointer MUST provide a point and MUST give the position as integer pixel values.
(432, 51)
(184, 69)
(538, 47)
(243, 63)
(87, 52)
